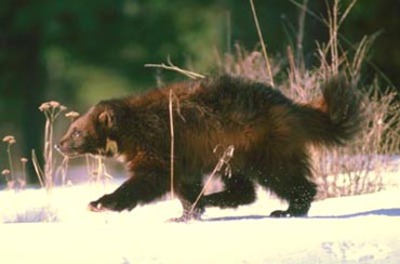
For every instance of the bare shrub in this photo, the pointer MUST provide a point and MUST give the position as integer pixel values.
(359, 168)
(249, 64)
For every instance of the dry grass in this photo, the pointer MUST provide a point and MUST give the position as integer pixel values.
(359, 167)
(263, 47)
(51, 111)
(97, 170)
(23, 179)
(250, 64)
(9, 173)
(14, 180)
(172, 136)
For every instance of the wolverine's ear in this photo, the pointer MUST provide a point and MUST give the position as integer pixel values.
(106, 118)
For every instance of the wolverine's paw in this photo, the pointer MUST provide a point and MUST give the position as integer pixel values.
(187, 216)
(96, 207)
(109, 203)
(183, 219)
(103, 204)
(282, 214)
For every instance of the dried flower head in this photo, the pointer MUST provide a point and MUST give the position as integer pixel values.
(51, 104)
(9, 139)
(5, 172)
(72, 114)
(24, 160)
(44, 107)
(54, 104)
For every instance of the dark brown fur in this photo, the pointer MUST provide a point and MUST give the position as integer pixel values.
(270, 134)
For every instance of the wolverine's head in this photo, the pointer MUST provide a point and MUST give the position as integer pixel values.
(90, 134)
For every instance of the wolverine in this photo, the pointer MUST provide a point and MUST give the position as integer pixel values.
(270, 135)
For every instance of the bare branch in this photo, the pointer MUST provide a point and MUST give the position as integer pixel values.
(264, 49)
(172, 67)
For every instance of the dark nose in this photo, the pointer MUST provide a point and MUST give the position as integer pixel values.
(58, 147)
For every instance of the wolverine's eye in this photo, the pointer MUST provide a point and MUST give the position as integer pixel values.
(76, 134)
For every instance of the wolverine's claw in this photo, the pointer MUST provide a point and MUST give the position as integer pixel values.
(96, 207)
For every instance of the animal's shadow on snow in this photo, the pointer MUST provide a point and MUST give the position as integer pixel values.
(236, 218)
(380, 212)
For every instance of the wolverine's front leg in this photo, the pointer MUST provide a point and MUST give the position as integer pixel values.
(121, 199)
(147, 183)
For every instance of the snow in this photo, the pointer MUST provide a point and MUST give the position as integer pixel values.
(57, 228)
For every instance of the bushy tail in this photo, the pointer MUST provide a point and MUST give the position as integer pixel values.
(336, 118)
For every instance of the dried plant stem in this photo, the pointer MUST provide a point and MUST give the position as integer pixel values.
(171, 123)
(24, 171)
(300, 35)
(102, 173)
(334, 22)
(228, 32)
(333, 29)
(88, 166)
(22, 179)
(38, 169)
(48, 153)
(62, 170)
(10, 162)
(99, 168)
(96, 169)
(264, 48)
(346, 12)
(172, 67)
(223, 161)
(309, 12)
(102, 168)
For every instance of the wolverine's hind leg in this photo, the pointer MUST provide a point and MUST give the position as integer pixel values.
(290, 182)
(299, 197)
(239, 190)
(187, 193)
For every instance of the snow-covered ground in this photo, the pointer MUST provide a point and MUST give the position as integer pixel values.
(57, 228)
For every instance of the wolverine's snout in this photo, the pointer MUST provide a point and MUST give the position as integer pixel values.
(66, 148)
(58, 148)
(62, 148)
